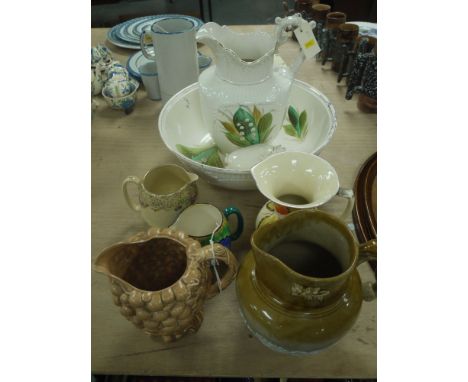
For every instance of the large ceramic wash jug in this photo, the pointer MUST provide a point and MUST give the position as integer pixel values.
(161, 278)
(298, 288)
(244, 96)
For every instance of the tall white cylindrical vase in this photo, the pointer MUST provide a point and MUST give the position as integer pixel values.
(175, 50)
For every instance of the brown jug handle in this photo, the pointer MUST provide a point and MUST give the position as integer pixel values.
(368, 251)
(221, 253)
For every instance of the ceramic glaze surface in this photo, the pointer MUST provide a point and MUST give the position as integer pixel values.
(137, 60)
(127, 34)
(118, 73)
(289, 332)
(161, 278)
(296, 180)
(99, 53)
(363, 77)
(294, 173)
(175, 50)
(247, 157)
(244, 96)
(205, 222)
(222, 100)
(104, 66)
(97, 82)
(289, 310)
(117, 88)
(181, 123)
(149, 76)
(163, 193)
(125, 102)
(366, 28)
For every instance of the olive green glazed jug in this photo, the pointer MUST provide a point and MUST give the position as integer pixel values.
(298, 288)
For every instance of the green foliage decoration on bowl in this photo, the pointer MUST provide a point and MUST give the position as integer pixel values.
(205, 155)
(248, 127)
(298, 126)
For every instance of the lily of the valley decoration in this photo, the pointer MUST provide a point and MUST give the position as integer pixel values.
(299, 126)
(247, 127)
(206, 155)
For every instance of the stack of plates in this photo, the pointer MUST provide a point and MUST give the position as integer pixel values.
(136, 60)
(127, 34)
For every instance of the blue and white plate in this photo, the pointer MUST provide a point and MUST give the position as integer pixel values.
(140, 27)
(111, 36)
(127, 29)
(131, 30)
(366, 28)
(138, 59)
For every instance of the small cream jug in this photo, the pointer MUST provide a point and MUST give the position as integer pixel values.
(297, 181)
(163, 194)
(244, 96)
(161, 278)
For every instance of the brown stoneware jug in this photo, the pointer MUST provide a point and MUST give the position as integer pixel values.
(319, 15)
(161, 278)
(298, 288)
(328, 41)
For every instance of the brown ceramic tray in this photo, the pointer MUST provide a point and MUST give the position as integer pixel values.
(365, 208)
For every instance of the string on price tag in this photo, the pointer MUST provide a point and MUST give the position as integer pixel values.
(306, 39)
(214, 261)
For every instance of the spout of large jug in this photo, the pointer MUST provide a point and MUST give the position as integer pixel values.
(207, 35)
(111, 260)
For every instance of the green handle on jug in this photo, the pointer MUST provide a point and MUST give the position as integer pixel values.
(240, 221)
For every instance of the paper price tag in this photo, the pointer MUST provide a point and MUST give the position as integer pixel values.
(307, 40)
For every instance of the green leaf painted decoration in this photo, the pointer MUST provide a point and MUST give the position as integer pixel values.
(214, 160)
(299, 126)
(244, 122)
(266, 134)
(230, 127)
(264, 126)
(190, 151)
(206, 155)
(305, 130)
(303, 119)
(290, 130)
(264, 123)
(248, 127)
(256, 114)
(238, 140)
(293, 117)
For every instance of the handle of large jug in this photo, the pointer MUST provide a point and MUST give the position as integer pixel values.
(347, 194)
(143, 38)
(282, 24)
(368, 252)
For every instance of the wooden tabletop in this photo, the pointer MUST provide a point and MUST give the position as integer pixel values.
(125, 145)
